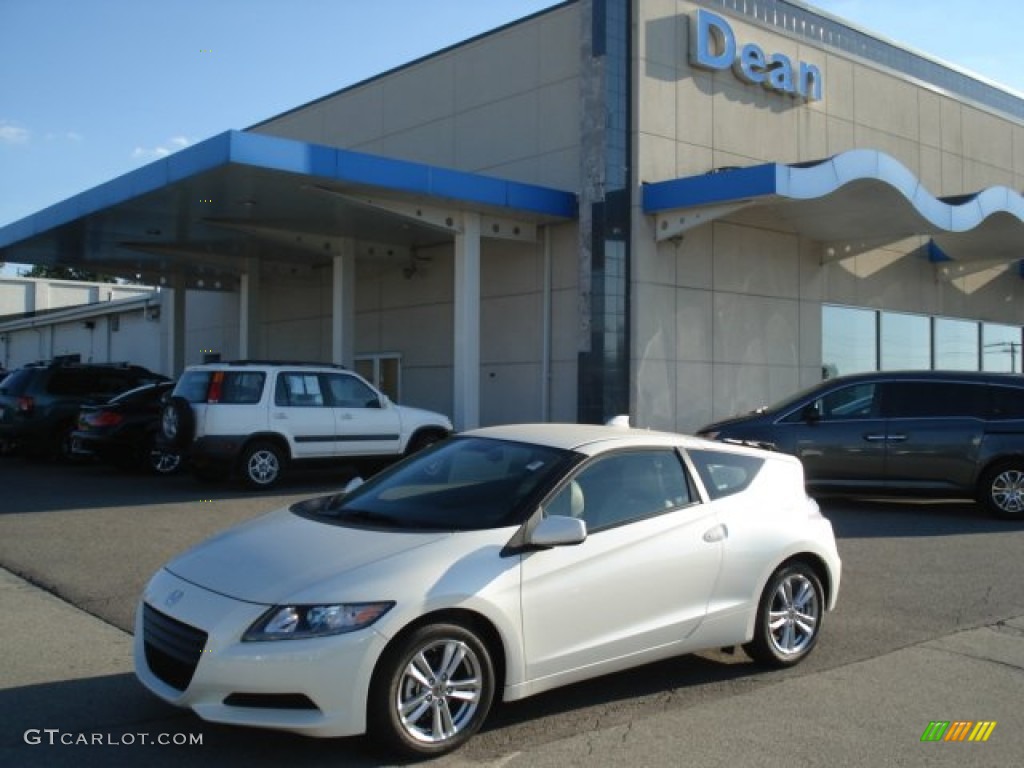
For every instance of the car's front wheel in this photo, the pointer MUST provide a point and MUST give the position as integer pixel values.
(1002, 490)
(431, 692)
(160, 461)
(789, 617)
(424, 439)
(262, 465)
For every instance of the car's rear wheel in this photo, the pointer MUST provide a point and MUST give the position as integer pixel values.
(789, 617)
(1002, 490)
(161, 461)
(262, 465)
(61, 447)
(431, 692)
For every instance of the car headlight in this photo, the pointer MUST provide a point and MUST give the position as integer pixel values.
(297, 622)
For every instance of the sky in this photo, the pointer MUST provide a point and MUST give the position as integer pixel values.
(92, 89)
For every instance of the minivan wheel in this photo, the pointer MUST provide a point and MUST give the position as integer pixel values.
(1002, 490)
(262, 464)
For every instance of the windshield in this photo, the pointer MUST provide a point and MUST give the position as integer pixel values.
(464, 483)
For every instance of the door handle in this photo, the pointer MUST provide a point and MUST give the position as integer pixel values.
(874, 438)
(718, 533)
(346, 417)
(280, 415)
(897, 438)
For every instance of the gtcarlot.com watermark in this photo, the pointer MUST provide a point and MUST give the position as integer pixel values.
(56, 737)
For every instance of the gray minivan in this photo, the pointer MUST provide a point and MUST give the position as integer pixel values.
(926, 433)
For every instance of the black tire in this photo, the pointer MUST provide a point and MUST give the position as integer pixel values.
(262, 465)
(60, 449)
(1001, 490)
(789, 617)
(421, 440)
(459, 696)
(177, 423)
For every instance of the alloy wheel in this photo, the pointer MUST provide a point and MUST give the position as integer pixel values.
(439, 691)
(794, 614)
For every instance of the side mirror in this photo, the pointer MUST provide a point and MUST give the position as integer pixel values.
(811, 414)
(558, 531)
(352, 484)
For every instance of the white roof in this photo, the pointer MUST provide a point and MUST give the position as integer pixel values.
(592, 438)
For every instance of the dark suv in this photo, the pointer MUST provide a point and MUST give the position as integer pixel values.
(39, 403)
(925, 433)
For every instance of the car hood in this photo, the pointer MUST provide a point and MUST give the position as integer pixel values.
(754, 417)
(416, 416)
(271, 558)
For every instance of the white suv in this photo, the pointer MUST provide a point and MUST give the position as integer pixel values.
(257, 417)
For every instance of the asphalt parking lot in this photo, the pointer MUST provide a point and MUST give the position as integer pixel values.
(927, 629)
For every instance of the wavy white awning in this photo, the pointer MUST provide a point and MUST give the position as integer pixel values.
(852, 202)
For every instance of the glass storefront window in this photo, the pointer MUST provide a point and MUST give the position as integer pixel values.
(956, 345)
(849, 341)
(906, 342)
(855, 340)
(1001, 348)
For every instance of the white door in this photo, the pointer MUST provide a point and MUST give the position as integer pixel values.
(641, 580)
(301, 412)
(365, 423)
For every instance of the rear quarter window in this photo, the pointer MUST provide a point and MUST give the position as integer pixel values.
(193, 386)
(724, 473)
(16, 383)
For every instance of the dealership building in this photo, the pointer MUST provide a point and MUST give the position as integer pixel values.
(676, 210)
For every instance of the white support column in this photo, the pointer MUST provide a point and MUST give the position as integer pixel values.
(343, 306)
(248, 311)
(467, 324)
(176, 326)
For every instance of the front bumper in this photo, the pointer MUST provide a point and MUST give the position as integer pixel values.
(315, 687)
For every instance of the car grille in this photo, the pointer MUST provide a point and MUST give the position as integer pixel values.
(172, 648)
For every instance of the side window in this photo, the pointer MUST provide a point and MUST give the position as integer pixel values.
(298, 390)
(724, 473)
(856, 402)
(242, 388)
(1007, 403)
(935, 399)
(69, 381)
(624, 487)
(350, 392)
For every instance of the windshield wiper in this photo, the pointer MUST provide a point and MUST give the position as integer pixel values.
(369, 516)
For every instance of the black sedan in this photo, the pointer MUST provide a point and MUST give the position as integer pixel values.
(124, 431)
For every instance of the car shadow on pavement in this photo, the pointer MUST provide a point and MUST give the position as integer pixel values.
(112, 720)
(597, 704)
(44, 487)
(859, 518)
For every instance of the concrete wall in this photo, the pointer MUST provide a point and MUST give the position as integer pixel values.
(413, 315)
(729, 318)
(506, 104)
(29, 294)
(128, 336)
